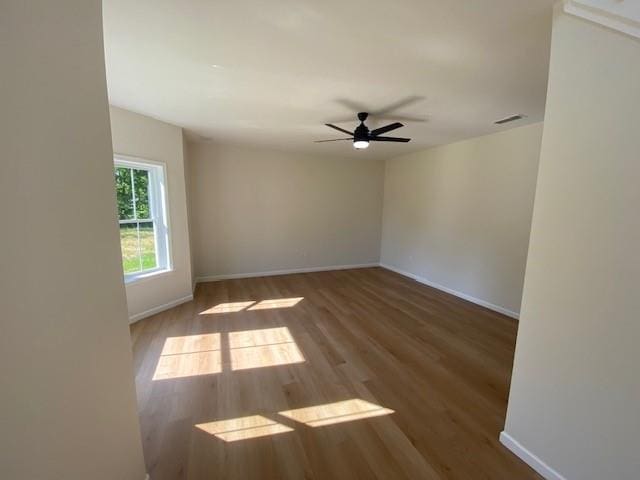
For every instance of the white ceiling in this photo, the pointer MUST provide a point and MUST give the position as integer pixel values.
(272, 72)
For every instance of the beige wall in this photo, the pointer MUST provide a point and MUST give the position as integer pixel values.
(67, 402)
(187, 182)
(458, 216)
(260, 211)
(140, 136)
(575, 393)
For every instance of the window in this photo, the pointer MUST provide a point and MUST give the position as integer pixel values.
(144, 239)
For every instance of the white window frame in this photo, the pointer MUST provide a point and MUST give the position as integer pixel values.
(159, 214)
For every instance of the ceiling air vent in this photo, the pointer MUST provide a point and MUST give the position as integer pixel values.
(512, 118)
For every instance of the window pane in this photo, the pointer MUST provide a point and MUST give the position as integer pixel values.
(129, 246)
(124, 193)
(141, 182)
(137, 241)
(147, 246)
(135, 188)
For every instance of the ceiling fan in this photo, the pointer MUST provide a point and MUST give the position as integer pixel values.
(362, 135)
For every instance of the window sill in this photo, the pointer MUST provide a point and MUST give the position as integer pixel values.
(145, 276)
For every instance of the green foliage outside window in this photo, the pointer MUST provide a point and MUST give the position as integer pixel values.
(137, 239)
(125, 197)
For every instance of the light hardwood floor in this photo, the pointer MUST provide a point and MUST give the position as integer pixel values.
(354, 374)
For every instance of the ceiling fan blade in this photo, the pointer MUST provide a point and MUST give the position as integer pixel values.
(333, 140)
(339, 129)
(386, 129)
(389, 139)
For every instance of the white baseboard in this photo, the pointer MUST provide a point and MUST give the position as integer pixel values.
(215, 278)
(483, 303)
(159, 308)
(529, 458)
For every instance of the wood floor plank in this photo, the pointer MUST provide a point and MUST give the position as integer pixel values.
(352, 374)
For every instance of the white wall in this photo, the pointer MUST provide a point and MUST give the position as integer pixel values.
(67, 402)
(458, 216)
(575, 393)
(147, 138)
(260, 211)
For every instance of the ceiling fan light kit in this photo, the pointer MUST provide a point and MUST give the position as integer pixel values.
(362, 136)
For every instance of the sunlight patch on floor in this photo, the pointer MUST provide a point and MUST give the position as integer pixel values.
(235, 307)
(204, 354)
(277, 303)
(263, 348)
(229, 307)
(243, 428)
(337, 412)
(191, 344)
(189, 356)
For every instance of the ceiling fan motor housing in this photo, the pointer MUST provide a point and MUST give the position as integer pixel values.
(361, 132)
